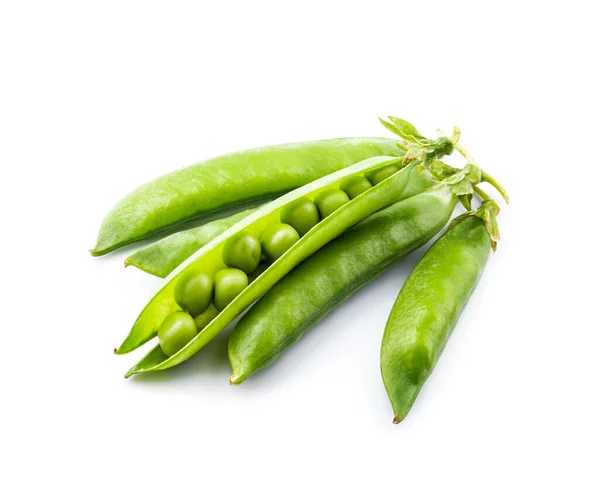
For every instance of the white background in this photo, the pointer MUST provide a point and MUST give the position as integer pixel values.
(99, 97)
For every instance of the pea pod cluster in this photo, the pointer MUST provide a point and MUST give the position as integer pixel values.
(337, 214)
(284, 232)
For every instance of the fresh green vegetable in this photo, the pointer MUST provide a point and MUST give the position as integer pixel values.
(430, 303)
(355, 185)
(332, 274)
(301, 214)
(194, 292)
(229, 283)
(209, 258)
(328, 201)
(175, 332)
(278, 239)
(381, 174)
(227, 181)
(242, 251)
(161, 257)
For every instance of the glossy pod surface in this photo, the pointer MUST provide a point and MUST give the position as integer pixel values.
(161, 257)
(327, 278)
(427, 309)
(227, 181)
(209, 258)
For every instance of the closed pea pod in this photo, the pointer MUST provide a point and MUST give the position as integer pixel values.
(229, 181)
(332, 274)
(430, 303)
(209, 259)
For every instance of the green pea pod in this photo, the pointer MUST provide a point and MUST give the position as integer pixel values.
(209, 258)
(331, 275)
(227, 181)
(162, 256)
(428, 307)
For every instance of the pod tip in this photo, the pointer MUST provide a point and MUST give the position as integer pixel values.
(235, 380)
(397, 419)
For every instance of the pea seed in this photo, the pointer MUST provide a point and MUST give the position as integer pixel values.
(193, 292)
(301, 214)
(355, 185)
(328, 201)
(229, 283)
(175, 332)
(378, 175)
(242, 251)
(278, 239)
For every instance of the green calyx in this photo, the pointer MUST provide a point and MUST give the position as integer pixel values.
(487, 212)
(460, 181)
(419, 148)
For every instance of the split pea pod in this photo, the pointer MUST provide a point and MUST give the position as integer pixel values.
(428, 308)
(331, 275)
(228, 181)
(161, 257)
(221, 270)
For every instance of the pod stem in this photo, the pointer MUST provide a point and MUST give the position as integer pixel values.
(481, 193)
(484, 176)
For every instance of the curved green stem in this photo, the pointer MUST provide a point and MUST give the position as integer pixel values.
(492, 181)
(484, 176)
(481, 193)
(465, 153)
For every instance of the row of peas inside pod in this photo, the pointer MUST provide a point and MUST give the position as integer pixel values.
(245, 256)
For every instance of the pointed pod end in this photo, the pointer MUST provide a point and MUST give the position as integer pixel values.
(397, 419)
(236, 379)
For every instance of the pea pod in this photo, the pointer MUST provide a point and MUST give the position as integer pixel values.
(428, 308)
(209, 259)
(331, 275)
(230, 180)
(161, 257)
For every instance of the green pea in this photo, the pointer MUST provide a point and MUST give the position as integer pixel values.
(242, 251)
(355, 185)
(175, 332)
(193, 292)
(228, 284)
(378, 175)
(278, 239)
(329, 201)
(301, 214)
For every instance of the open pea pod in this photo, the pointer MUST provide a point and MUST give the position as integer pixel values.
(209, 259)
